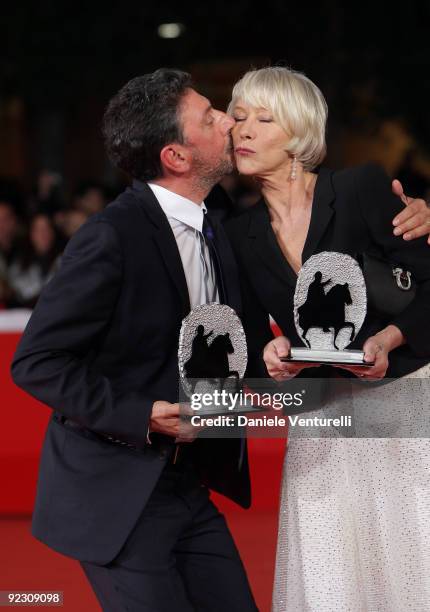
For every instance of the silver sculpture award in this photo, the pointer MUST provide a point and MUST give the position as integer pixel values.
(212, 350)
(330, 306)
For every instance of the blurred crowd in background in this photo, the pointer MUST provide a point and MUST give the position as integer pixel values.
(35, 227)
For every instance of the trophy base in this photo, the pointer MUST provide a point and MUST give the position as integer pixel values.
(329, 356)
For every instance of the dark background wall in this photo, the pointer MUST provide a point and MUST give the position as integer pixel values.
(61, 61)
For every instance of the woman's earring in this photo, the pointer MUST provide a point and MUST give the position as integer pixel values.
(293, 174)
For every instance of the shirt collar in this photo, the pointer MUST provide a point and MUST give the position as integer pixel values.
(179, 208)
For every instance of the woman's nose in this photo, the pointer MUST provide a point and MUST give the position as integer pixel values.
(245, 130)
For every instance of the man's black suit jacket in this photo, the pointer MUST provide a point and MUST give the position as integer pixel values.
(100, 348)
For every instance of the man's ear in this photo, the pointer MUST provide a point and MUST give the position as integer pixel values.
(175, 158)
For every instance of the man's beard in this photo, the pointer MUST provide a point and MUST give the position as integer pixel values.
(209, 173)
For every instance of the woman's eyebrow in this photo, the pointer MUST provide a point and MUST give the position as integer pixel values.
(256, 108)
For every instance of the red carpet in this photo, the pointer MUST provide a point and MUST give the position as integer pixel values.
(26, 564)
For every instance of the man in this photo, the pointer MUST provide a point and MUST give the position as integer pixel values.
(101, 350)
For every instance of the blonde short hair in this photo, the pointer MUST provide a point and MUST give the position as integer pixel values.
(297, 105)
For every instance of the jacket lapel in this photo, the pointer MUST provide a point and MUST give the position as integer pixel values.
(263, 243)
(164, 240)
(228, 265)
(322, 212)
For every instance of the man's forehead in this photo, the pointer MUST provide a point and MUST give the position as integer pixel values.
(195, 102)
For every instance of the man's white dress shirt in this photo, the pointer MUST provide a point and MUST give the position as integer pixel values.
(186, 220)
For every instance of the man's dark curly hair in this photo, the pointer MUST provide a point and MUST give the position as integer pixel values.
(142, 118)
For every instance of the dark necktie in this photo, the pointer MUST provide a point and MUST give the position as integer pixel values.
(210, 239)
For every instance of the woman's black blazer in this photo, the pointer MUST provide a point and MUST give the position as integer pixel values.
(352, 213)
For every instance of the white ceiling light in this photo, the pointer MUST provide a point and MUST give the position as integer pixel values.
(170, 30)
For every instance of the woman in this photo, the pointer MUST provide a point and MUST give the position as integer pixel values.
(346, 527)
(37, 263)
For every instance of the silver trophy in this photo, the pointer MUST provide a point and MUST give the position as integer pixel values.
(212, 353)
(330, 306)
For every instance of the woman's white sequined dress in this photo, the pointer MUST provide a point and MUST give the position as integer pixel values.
(354, 528)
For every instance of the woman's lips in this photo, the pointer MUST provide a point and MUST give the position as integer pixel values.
(244, 151)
